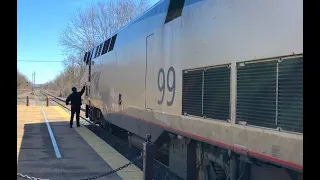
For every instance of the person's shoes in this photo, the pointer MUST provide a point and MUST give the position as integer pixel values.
(78, 125)
(70, 126)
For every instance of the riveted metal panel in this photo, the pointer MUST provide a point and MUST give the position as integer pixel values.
(256, 93)
(290, 95)
(192, 82)
(216, 96)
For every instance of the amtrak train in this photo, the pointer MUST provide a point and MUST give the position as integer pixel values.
(217, 84)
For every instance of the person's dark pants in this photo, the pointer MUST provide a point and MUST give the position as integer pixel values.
(77, 111)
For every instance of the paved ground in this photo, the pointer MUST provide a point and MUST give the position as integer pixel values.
(110, 155)
(36, 156)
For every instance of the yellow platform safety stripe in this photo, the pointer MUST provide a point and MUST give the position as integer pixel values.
(112, 157)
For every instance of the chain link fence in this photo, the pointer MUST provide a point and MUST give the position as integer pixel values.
(88, 178)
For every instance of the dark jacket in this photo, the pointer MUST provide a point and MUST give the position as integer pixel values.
(75, 99)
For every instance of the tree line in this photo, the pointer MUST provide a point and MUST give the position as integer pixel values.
(22, 82)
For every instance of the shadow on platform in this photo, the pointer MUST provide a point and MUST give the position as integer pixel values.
(36, 156)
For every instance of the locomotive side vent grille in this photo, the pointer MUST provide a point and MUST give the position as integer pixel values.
(85, 57)
(113, 41)
(290, 95)
(192, 92)
(270, 93)
(216, 97)
(96, 51)
(105, 46)
(100, 49)
(256, 93)
(206, 92)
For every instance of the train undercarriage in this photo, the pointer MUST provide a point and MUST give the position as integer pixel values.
(187, 157)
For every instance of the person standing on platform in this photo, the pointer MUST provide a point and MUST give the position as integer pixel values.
(75, 98)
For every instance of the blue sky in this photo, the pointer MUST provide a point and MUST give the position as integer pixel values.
(39, 25)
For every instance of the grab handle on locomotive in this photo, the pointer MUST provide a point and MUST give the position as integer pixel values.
(120, 99)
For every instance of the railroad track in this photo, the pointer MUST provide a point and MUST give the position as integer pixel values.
(59, 100)
(35, 98)
(161, 171)
(23, 93)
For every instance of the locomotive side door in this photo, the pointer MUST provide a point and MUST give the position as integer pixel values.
(149, 75)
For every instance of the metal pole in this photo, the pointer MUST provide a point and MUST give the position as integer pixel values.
(27, 100)
(47, 101)
(32, 82)
(87, 111)
(148, 155)
(129, 139)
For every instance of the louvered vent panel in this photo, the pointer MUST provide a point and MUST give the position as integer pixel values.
(256, 93)
(192, 92)
(100, 49)
(85, 57)
(113, 41)
(216, 98)
(96, 51)
(290, 93)
(88, 57)
(174, 10)
(105, 46)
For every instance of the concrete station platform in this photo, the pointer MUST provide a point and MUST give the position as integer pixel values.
(47, 148)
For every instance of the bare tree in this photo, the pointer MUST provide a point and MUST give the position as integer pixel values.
(22, 81)
(85, 29)
(90, 26)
